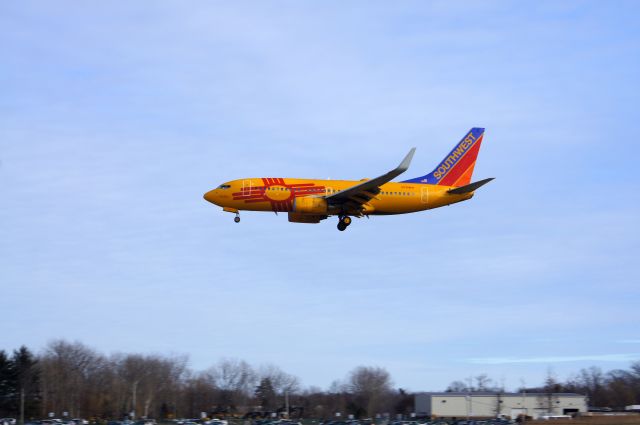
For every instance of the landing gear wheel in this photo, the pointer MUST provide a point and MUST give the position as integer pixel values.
(236, 219)
(346, 220)
(341, 226)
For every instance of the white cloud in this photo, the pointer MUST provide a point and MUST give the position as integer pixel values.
(557, 359)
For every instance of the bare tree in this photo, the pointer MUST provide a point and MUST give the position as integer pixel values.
(620, 389)
(483, 383)
(282, 382)
(198, 395)
(235, 380)
(68, 373)
(548, 399)
(148, 376)
(371, 388)
(457, 387)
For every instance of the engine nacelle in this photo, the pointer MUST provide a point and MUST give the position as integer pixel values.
(310, 205)
(305, 218)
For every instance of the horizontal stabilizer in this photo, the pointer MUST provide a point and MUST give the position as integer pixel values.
(469, 188)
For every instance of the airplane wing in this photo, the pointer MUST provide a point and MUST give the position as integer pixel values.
(352, 198)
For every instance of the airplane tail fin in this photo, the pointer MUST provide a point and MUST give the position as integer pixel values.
(456, 168)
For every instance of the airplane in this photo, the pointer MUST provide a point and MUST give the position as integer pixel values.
(313, 200)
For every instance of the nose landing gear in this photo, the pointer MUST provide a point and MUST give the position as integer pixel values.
(235, 211)
(344, 222)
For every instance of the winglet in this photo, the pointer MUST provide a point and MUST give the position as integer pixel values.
(469, 188)
(404, 165)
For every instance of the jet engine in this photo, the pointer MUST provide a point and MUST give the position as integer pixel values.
(310, 205)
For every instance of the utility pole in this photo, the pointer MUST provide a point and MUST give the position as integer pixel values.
(468, 397)
(133, 400)
(286, 402)
(524, 417)
(21, 406)
(468, 401)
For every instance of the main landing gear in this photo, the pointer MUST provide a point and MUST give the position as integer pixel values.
(344, 222)
(237, 218)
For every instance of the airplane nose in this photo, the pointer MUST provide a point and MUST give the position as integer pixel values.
(210, 196)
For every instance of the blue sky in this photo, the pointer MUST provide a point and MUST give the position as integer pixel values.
(116, 117)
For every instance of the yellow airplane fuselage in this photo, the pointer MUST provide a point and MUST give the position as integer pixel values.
(280, 195)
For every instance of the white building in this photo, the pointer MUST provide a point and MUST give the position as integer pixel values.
(491, 405)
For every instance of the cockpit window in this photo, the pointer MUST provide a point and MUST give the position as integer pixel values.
(224, 186)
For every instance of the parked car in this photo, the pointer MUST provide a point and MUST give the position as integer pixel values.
(216, 422)
(555, 417)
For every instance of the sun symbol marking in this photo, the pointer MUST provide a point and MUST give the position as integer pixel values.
(280, 194)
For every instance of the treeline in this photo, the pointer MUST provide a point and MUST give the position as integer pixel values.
(74, 379)
(613, 389)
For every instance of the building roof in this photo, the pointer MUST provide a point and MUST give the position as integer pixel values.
(495, 394)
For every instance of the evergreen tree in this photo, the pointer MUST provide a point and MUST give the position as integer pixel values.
(27, 379)
(266, 395)
(8, 385)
